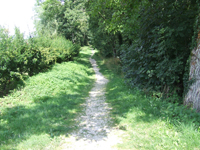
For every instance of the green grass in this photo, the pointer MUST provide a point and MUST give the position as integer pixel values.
(42, 112)
(148, 122)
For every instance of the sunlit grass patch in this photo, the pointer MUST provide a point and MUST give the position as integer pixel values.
(36, 142)
(148, 122)
(46, 107)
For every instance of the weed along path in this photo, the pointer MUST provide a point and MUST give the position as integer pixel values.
(94, 124)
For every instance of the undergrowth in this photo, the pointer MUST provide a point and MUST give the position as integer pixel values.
(43, 111)
(148, 121)
(22, 57)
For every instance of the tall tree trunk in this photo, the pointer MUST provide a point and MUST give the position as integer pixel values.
(192, 98)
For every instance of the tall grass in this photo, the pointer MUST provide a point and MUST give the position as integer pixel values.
(42, 112)
(148, 121)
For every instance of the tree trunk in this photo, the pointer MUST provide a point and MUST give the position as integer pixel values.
(192, 98)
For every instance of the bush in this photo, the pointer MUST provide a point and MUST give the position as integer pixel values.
(157, 58)
(20, 56)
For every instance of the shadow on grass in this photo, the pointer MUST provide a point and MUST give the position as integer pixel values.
(48, 114)
(123, 100)
(149, 109)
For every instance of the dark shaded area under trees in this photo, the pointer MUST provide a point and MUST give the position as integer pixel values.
(154, 40)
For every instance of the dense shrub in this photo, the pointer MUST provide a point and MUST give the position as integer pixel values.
(20, 55)
(64, 48)
(158, 56)
(12, 53)
(154, 39)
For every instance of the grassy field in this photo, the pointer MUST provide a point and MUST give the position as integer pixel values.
(148, 122)
(42, 112)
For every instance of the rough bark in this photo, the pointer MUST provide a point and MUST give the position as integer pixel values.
(192, 98)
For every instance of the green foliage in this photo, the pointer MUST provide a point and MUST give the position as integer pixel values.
(153, 39)
(159, 53)
(64, 48)
(65, 18)
(100, 38)
(148, 122)
(21, 56)
(42, 114)
(12, 57)
(113, 23)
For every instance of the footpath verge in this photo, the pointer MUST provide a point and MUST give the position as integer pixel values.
(148, 121)
(40, 113)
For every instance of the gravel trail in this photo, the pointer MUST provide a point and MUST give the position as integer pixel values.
(94, 124)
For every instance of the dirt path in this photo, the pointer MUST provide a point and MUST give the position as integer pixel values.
(94, 124)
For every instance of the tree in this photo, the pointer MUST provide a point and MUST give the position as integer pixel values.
(192, 85)
(66, 18)
(154, 39)
(159, 55)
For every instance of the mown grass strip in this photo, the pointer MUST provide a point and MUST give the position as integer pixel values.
(149, 122)
(39, 114)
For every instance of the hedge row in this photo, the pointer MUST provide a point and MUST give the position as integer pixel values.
(20, 56)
